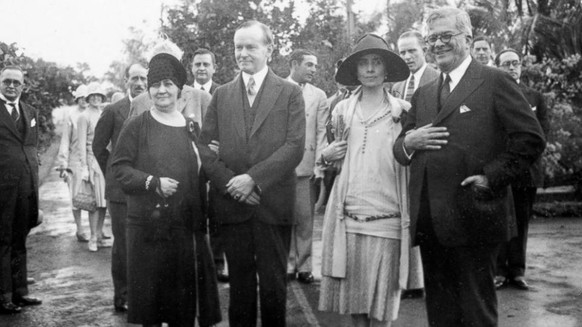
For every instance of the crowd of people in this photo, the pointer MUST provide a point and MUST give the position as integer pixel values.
(429, 157)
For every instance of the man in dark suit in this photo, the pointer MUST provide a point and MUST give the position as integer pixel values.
(259, 120)
(511, 258)
(203, 68)
(106, 133)
(18, 189)
(481, 50)
(412, 49)
(467, 136)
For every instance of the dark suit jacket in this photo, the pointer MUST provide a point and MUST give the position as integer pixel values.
(492, 132)
(19, 157)
(269, 156)
(535, 178)
(213, 87)
(106, 131)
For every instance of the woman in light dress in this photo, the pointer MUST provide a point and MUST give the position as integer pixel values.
(90, 170)
(365, 232)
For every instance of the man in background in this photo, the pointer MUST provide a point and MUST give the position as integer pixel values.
(512, 255)
(106, 134)
(481, 51)
(303, 68)
(18, 189)
(412, 49)
(203, 68)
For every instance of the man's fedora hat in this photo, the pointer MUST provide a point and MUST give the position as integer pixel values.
(396, 68)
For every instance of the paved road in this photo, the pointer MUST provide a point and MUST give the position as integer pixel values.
(75, 285)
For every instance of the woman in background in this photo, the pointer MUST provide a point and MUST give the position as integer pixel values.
(365, 232)
(90, 170)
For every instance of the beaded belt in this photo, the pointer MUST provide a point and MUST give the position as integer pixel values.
(371, 218)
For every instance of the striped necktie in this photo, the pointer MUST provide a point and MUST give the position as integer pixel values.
(410, 88)
(14, 113)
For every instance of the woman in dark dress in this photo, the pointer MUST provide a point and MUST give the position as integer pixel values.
(157, 163)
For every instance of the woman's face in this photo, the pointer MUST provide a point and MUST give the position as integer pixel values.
(371, 70)
(95, 100)
(165, 95)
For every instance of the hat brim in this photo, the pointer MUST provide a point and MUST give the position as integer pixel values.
(396, 69)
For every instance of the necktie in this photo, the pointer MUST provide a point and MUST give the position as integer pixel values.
(14, 114)
(445, 90)
(251, 86)
(410, 89)
(202, 88)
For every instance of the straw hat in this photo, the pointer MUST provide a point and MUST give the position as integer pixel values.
(80, 92)
(95, 88)
(396, 68)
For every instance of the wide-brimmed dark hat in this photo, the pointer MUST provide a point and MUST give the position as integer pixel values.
(165, 66)
(396, 68)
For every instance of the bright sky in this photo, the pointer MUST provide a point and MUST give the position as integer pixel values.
(91, 31)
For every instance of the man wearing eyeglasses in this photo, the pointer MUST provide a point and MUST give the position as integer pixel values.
(467, 136)
(18, 189)
(511, 258)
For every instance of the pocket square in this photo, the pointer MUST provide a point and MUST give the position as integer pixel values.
(33, 122)
(534, 108)
(464, 109)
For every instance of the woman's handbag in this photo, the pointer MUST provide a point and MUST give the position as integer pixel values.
(85, 197)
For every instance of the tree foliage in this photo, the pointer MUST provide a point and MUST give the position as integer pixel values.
(46, 85)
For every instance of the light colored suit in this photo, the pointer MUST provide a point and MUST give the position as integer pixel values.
(192, 104)
(399, 89)
(415, 277)
(316, 114)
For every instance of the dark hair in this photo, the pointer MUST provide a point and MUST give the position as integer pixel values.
(498, 57)
(298, 55)
(416, 34)
(267, 34)
(481, 38)
(203, 51)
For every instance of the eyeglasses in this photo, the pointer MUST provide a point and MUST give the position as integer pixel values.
(445, 38)
(507, 64)
(8, 82)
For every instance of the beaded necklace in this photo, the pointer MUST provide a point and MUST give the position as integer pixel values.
(368, 124)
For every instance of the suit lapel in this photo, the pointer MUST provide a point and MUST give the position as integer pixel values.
(236, 105)
(269, 94)
(27, 119)
(466, 86)
(8, 121)
(124, 108)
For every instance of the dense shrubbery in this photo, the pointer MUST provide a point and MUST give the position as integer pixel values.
(561, 83)
(45, 84)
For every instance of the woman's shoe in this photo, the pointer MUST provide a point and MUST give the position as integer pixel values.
(104, 243)
(92, 245)
(82, 237)
(500, 282)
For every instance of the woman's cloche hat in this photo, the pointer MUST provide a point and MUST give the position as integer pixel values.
(165, 66)
(396, 68)
(95, 88)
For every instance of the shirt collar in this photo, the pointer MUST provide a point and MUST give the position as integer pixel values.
(206, 85)
(259, 77)
(458, 73)
(290, 79)
(418, 76)
(15, 102)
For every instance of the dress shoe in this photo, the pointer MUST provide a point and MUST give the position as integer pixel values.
(7, 308)
(500, 282)
(92, 246)
(222, 276)
(105, 237)
(305, 277)
(417, 293)
(291, 276)
(120, 306)
(24, 301)
(30, 281)
(104, 243)
(519, 283)
(82, 237)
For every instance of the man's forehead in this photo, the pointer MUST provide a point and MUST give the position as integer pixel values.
(136, 70)
(481, 44)
(408, 43)
(12, 74)
(202, 57)
(508, 56)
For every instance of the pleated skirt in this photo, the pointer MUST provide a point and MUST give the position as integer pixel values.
(371, 283)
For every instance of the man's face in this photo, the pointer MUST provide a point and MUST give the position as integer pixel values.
(203, 68)
(250, 50)
(448, 55)
(412, 53)
(11, 84)
(482, 52)
(303, 72)
(509, 62)
(137, 80)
